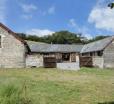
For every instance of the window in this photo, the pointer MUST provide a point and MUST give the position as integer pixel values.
(99, 53)
(0, 41)
(65, 57)
(49, 55)
(91, 54)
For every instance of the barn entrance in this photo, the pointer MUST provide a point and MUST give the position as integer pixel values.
(86, 61)
(49, 62)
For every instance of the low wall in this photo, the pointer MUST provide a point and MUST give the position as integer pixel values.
(98, 62)
(68, 66)
(34, 61)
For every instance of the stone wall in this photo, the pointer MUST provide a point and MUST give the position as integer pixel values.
(12, 51)
(109, 56)
(98, 62)
(34, 60)
(69, 65)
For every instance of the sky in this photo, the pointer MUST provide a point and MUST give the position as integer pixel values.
(43, 17)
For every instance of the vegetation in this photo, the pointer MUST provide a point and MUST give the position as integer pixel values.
(97, 38)
(51, 86)
(61, 37)
(111, 5)
(12, 94)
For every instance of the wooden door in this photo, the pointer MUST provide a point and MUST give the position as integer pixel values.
(86, 61)
(49, 62)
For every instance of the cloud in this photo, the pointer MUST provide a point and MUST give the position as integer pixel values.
(51, 10)
(28, 8)
(72, 23)
(83, 30)
(40, 32)
(102, 16)
(86, 32)
(3, 11)
(27, 16)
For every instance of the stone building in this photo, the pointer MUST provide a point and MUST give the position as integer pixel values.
(102, 52)
(60, 56)
(12, 49)
(18, 53)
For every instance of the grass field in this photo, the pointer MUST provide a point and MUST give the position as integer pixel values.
(51, 86)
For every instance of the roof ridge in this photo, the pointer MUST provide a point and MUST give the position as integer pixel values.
(13, 33)
(99, 40)
(97, 45)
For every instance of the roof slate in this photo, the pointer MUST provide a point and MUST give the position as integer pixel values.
(45, 48)
(97, 46)
(91, 47)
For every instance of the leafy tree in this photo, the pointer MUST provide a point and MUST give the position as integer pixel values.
(97, 38)
(65, 37)
(22, 35)
(111, 5)
(61, 37)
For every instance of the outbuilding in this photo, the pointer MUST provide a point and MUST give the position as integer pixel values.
(18, 53)
(53, 55)
(101, 52)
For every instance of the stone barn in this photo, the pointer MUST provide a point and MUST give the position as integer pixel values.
(102, 52)
(51, 55)
(13, 49)
(18, 53)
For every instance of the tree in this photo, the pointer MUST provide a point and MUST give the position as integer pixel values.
(111, 5)
(65, 37)
(22, 35)
(97, 38)
(61, 37)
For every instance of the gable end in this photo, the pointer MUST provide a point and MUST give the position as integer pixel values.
(12, 33)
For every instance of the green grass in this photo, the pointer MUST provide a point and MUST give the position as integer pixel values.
(51, 86)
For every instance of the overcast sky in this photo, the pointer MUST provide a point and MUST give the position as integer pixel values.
(42, 17)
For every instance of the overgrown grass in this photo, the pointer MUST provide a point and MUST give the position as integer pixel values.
(51, 86)
(12, 94)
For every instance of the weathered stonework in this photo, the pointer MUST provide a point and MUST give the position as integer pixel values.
(34, 60)
(108, 55)
(70, 65)
(12, 51)
(98, 61)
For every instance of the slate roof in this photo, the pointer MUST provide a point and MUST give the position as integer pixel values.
(97, 46)
(48, 48)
